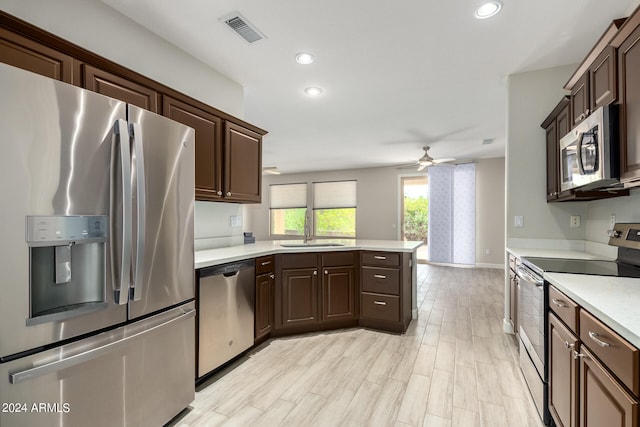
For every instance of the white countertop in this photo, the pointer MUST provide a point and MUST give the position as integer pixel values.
(613, 300)
(554, 253)
(210, 257)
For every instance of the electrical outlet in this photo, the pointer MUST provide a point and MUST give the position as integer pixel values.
(518, 221)
(487, 251)
(236, 220)
(612, 221)
(574, 221)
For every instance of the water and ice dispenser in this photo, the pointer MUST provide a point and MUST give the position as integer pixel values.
(67, 263)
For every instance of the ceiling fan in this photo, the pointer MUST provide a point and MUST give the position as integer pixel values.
(426, 160)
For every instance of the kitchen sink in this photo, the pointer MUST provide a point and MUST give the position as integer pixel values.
(305, 245)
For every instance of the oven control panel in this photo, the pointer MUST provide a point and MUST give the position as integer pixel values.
(626, 235)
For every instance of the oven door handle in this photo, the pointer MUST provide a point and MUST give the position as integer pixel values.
(525, 274)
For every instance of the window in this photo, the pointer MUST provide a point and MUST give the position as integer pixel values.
(288, 204)
(334, 209)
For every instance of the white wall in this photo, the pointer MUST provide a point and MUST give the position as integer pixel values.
(98, 28)
(379, 203)
(626, 209)
(531, 97)
(490, 175)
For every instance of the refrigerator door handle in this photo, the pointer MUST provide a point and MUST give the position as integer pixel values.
(138, 161)
(121, 146)
(38, 371)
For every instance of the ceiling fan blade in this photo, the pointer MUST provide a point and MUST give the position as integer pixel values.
(445, 160)
(421, 167)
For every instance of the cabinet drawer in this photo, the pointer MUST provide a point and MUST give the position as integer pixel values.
(301, 260)
(380, 307)
(381, 280)
(383, 259)
(338, 259)
(264, 265)
(564, 307)
(613, 351)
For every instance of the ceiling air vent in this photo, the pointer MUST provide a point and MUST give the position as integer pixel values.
(242, 27)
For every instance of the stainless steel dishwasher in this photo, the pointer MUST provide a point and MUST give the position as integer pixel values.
(226, 313)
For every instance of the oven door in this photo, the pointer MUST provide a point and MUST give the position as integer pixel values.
(531, 319)
(531, 315)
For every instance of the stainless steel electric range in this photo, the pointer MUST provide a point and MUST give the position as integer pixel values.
(533, 306)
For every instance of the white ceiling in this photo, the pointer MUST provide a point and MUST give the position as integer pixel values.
(397, 75)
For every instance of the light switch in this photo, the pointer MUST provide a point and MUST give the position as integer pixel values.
(518, 221)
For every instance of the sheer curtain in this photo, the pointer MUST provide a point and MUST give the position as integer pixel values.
(452, 214)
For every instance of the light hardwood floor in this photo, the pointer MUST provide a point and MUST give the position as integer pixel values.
(453, 367)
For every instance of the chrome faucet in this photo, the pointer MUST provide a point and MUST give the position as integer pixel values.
(307, 229)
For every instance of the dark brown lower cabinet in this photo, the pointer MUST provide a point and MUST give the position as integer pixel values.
(299, 297)
(264, 304)
(563, 371)
(603, 401)
(338, 293)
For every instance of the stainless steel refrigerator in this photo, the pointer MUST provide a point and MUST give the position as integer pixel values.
(96, 258)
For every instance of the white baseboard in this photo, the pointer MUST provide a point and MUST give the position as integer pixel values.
(486, 265)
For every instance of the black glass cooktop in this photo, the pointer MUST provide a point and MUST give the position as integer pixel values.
(584, 266)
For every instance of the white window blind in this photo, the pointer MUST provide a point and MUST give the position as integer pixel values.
(287, 196)
(335, 194)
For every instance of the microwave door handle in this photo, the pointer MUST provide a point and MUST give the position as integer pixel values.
(121, 276)
(579, 154)
(138, 162)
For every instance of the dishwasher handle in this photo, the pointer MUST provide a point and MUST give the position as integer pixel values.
(228, 270)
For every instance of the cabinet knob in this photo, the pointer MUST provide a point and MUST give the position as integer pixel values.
(219, 193)
(315, 272)
(568, 345)
(326, 272)
(577, 355)
(273, 276)
(228, 193)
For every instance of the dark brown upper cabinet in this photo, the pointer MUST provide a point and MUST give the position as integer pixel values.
(24, 53)
(629, 76)
(108, 84)
(242, 164)
(594, 83)
(603, 79)
(208, 145)
(580, 105)
(556, 125)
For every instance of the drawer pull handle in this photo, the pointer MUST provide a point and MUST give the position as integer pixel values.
(380, 257)
(598, 341)
(380, 303)
(379, 276)
(265, 263)
(559, 303)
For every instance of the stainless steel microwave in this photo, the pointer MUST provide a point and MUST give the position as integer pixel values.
(589, 153)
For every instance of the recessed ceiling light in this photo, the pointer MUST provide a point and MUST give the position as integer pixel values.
(489, 9)
(313, 91)
(304, 58)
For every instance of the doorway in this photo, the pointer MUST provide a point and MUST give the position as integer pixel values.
(415, 212)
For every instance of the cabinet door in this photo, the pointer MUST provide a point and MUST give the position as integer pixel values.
(264, 304)
(563, 386)
(24, 53)
(125, 90)
(580, 100)
(242, 165)
(629, 72)
(299, 297)
(338, 293)
(603, 402)
(604, 79)
(552, 161)
(208, 145)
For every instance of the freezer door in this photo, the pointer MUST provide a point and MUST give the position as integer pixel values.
(57, 145)
(138, 375)
(163, 157)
